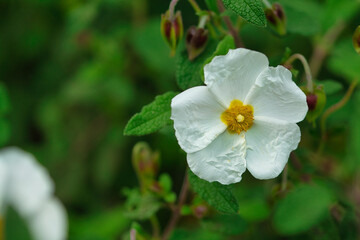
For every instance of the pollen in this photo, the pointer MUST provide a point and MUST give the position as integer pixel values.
(238, 117)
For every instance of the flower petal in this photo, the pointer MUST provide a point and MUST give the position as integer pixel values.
(269, 143)
(223, 160)
(275, 95)
(231, 76)
(50, 222)
(29, 184)
(196, 115)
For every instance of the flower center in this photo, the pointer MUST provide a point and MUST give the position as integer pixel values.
(238, 117)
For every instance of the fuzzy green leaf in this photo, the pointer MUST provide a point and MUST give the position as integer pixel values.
(152, 117)
(217, 195)
(302, 209)
(250, 10)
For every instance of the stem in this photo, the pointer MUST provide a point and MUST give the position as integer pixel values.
(331, 110)
(195, 6)
(309, 82)
(284, 179)
(232, 30)
(295, 161)
(155, 226)
(323, 46)
(202, 21)
(267, 4)
(172, 8)
(176, 213)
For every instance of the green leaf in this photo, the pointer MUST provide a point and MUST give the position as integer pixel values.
(189, 73)
(336, 11)
(165, 182)
(112, 221)
(152, 117)
(254, 210)
(150, 47)
(302, 16)
(15, 226)
(344, 61)
(217, 195)
(139, 206)
(250, 10)
(212, 5)
(331, 86)
(227, 224)
(303, 207)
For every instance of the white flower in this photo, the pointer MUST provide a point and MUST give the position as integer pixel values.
(244, 118)
(27, 187)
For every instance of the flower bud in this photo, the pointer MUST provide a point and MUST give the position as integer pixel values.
(145, 163)
(277, 19)
(200, 211)
(196, 40)
(172, 29)
(311, 100)
(356, 39)
(315, 101)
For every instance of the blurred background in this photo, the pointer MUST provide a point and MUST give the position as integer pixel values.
(73, 72)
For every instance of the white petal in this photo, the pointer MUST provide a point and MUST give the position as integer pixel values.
(50, 222)
(196, 115)
(29, 184)
(275, 95)
(223, 160)
(269, 143)
(231, 76)
(3, 183)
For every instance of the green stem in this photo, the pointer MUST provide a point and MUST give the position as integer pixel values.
(323, 46)
(155, 226)
(267, 4)
(195, 6)
(232, 29)
(331, 110)
(309, 82)
(202, 21)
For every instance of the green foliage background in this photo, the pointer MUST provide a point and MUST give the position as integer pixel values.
(72, 73)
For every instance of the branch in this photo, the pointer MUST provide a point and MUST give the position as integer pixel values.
(232, 30)
(176, 213)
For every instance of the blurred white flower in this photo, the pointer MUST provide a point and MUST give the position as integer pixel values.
(245, 118)
(27, 187)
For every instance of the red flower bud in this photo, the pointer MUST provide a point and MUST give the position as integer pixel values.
(172, 29)
(276, 17)
(311, 100)
(196, 39)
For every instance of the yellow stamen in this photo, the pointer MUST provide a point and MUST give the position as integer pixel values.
(238, 117)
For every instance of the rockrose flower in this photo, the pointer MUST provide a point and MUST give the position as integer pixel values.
(26, 186)
(244, 118)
